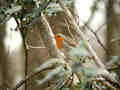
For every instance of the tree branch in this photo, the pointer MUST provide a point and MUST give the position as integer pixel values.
(49, 38)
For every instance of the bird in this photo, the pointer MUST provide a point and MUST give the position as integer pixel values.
(64, 41)
(70, 46)
(59, 41)
(65, 44)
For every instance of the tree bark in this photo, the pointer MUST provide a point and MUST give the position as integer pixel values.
(113, 27)
(12, 57)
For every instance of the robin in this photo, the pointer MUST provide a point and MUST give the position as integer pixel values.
(64, 44)
(62, 41)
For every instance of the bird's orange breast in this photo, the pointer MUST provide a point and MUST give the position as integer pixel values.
(59, 41)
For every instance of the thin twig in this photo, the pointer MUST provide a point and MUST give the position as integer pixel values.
(34, 47)
(101, 26)
(95, 34)
(50, 64)
(28, 77)
(97, 38)
(69, 29)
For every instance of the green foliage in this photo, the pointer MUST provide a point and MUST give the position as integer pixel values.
(94, 7)
(50, 7)
(50, 75)
(28, 1)
(54, 7)
(85, 86)
(3, 9)
(64, 76)
(79, 50)
(60, 69)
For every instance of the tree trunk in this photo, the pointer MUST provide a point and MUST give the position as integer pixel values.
(13, 54)
(113, 27)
